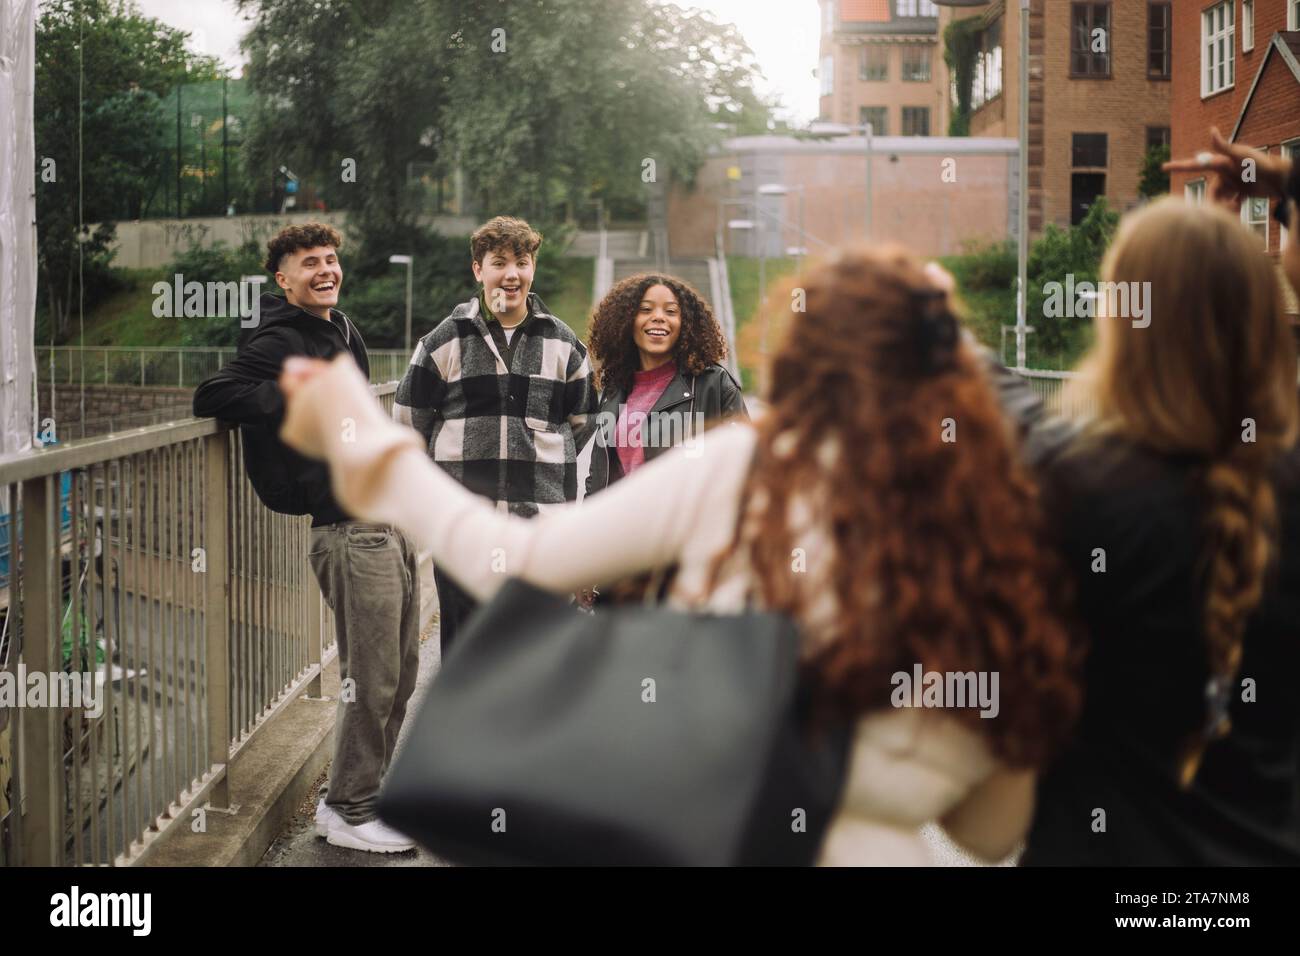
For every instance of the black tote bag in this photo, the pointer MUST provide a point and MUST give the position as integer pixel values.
(642, 736)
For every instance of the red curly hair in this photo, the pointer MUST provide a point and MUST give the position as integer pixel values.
(937, 549)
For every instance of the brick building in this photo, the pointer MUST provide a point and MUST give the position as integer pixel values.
(783, 180)
(880, 62)
(1237, 67)
(1099, 95)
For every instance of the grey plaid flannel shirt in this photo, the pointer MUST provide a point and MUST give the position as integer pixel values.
(511, 435)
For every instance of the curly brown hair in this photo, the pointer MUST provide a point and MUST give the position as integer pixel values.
(938, 555)
(613, 349)
(306, 235)
(504, 232)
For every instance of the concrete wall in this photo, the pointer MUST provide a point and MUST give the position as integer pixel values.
(110, 407)
(150, 243)
(912, 200)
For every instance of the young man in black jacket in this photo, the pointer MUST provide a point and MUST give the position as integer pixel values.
(367, 572)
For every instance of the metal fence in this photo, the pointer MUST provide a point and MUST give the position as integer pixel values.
(166, 365)
(168, 614)
(1053, 387)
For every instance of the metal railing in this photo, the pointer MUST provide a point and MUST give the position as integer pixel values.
(171, 366)
(1052, 386)
(142, 569)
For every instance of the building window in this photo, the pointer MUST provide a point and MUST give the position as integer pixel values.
(1194, 192)
(1157, 136)
(1293, 14)
(1089, 151)
(877, 117)
(827, 75)
(1248, 24)
(1090, 39)
(915, 8)
(916, 121)
(1084, 190)
(916, 64)
(828, 16)
(986, 84)
(873, 64)
(1218, 58)
(1254, 213)
(1159, 17)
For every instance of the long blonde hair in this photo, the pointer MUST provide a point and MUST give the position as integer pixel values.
(1212, 376)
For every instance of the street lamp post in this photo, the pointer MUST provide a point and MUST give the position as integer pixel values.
(757, 226)
(1022, 252)
(407, 261)
(780, 189)
(841, 129)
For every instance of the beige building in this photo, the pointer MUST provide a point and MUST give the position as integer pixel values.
(881, 62)
(935, 194)
(1099, 95)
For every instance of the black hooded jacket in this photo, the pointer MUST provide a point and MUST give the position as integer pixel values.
(246, 393)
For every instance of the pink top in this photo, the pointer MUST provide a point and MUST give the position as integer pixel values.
(646, 389)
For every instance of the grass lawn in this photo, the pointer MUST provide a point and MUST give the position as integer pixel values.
(565, 285)
(126, 318)
(742, 272)
(986, 311)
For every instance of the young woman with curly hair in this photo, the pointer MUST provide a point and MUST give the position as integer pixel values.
(880, 502)
(658, 349)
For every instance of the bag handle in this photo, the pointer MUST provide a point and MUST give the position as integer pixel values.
(651, 596)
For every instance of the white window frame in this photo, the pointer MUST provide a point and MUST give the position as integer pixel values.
(827, 75)
(1293, 14)
(915, 8)
(828, 17)
(1250, 223)
(1247, 25)
(1194, 192)
(925, 52)
(1218, 50)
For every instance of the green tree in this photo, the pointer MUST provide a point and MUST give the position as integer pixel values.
(1076, 251)
(101, 69)
(543, 105)
(1154, 181)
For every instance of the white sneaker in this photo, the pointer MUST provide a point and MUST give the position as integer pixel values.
(325, 815)
(374, 836)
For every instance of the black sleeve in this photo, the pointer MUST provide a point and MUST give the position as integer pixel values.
(733, 399)
(598, 474)
(1021, 404)
(1290, 193)
(245, 391)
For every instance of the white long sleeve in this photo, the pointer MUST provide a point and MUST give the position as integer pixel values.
(678, 509)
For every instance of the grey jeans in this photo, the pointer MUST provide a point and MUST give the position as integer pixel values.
(369, 577)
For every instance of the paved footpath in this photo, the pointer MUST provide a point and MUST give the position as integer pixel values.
(299, 845)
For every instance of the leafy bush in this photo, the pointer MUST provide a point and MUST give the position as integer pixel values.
(216, 263)
(986, 266)
(1059, 253)
(1154, 181)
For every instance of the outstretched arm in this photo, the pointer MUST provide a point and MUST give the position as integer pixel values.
(384, 474)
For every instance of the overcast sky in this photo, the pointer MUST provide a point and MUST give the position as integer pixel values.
(782, 33)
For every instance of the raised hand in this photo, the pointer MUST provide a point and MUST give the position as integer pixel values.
(1235, 172)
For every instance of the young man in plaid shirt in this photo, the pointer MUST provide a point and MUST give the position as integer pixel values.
(502, 392)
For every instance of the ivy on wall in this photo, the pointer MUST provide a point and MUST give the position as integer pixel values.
(961, 47)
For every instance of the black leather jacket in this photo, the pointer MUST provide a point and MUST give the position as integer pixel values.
(1147, 667)
(714, 393)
